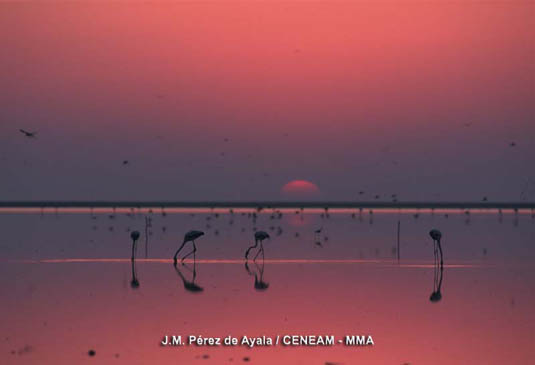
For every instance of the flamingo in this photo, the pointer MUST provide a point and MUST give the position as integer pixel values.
(436, 235)
(189, 236)
(134, 236)
(436, 295)
(258, 237)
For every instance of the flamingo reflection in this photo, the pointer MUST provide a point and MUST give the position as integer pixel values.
(436, 295)
(134, 283)
(189, 285)
(258, 273)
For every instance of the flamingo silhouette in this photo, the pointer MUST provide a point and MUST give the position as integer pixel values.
(436, 235)
(134, 236)
(436, 295)
(189, 236)
(258, 237)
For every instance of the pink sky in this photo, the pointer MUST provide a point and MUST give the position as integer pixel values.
(421, 99)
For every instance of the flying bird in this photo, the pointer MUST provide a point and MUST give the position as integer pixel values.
(28, 134)
(189, 236)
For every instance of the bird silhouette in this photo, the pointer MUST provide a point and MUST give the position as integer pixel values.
(436, 235)
(436, 295)
(258, 237)
(28, 134)
(134, 236)
(189, 236)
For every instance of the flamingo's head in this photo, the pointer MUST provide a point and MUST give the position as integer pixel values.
(435, 234)
(134, 235)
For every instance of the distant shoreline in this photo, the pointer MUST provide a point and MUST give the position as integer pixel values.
(259, 205)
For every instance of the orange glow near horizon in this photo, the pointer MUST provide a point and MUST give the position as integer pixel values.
(300, 187)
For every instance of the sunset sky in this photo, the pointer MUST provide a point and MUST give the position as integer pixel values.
(232, 100)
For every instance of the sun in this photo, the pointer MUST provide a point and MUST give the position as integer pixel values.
(300, 188)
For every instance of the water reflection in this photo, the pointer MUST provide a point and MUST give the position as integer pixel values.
(436, 295)
(134, 283)
(258, 273)
(189, 285)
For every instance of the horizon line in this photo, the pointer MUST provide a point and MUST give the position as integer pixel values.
(381, 262)
(259, 205)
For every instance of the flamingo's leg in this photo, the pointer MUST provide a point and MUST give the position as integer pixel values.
(250, 248)
(189, 254)
(133, 246)
(177, 251)
(441, 258)
(258, 252)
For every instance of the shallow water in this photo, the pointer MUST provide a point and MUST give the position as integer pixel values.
(67, 287)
